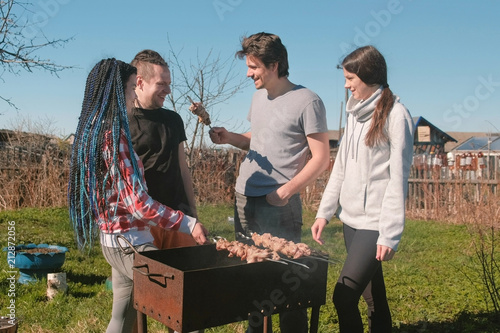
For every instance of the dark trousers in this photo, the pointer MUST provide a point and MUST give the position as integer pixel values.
(361, 276)
(254, 214)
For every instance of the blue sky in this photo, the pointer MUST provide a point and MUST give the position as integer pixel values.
(443, 56)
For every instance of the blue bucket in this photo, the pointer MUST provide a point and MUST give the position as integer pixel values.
(34, 265)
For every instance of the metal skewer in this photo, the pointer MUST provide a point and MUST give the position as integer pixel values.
(281, 261)
(331, 261)
(190, 99)
(295, 262)
(242, 235)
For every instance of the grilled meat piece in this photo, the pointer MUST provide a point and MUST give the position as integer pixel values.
(246, 252)
(281, 245)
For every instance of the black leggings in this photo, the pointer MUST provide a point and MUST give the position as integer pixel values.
(361, 275)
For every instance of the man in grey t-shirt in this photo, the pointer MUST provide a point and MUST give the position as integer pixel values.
(288, 122)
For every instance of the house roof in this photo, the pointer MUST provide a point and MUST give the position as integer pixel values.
(421, 121)
(10, 137)
(480, 143)
(464, 136)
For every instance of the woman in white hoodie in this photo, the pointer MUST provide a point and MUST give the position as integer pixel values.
(367, 189)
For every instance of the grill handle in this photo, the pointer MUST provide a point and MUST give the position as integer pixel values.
(126, 251)
(148, 274)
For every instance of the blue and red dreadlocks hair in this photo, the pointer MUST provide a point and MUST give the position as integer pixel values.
(104, 112)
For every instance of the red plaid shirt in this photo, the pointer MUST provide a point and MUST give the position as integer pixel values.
(129, 205)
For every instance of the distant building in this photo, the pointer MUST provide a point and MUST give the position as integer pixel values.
(483, 144)
(464, 136)
(15, 138)
(435, 150)
(333, 140)
(428, 138)
(480, 154)
(23, 149)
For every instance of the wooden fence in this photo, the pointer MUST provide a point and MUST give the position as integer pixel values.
(35, 178)
(441, 193)
(32, 177)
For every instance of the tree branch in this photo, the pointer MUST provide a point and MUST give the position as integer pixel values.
(18, 51)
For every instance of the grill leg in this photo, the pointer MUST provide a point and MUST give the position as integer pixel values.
(142, 322)
(314, 319)
(264, 329)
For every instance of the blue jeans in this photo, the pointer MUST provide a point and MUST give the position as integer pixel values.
(254, 214)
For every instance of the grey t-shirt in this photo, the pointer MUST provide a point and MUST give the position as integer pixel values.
(278, 147)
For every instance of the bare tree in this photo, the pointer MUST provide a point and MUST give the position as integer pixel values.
(19, 47)
(210, 80)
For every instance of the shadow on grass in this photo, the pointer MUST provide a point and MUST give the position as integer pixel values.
(83, 294)
(86, 279)
(465, 323)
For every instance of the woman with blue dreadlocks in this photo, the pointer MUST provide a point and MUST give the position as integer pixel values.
(107, 191)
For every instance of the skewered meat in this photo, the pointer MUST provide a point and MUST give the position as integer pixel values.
(246, 252)
(199, 110)
(281, 245)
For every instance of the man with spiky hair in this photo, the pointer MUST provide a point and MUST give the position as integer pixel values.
(158, 137)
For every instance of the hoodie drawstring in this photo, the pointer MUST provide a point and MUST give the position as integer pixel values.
(351, 138)
(359, 139)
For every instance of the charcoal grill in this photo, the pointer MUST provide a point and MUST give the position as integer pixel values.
(198, 287)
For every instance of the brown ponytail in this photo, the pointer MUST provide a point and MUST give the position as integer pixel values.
(376, 133)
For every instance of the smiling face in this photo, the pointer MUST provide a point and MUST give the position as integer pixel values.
(262, 76)
(151, 93)
(358, 88)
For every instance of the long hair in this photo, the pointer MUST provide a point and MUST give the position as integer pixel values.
(370, 66)
(104, 114)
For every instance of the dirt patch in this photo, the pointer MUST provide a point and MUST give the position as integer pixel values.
(41, 250)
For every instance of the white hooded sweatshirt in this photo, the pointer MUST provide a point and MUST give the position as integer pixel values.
(368, 186)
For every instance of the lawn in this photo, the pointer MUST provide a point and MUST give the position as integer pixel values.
(433, 282)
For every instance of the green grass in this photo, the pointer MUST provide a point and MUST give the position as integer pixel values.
(429, 281)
